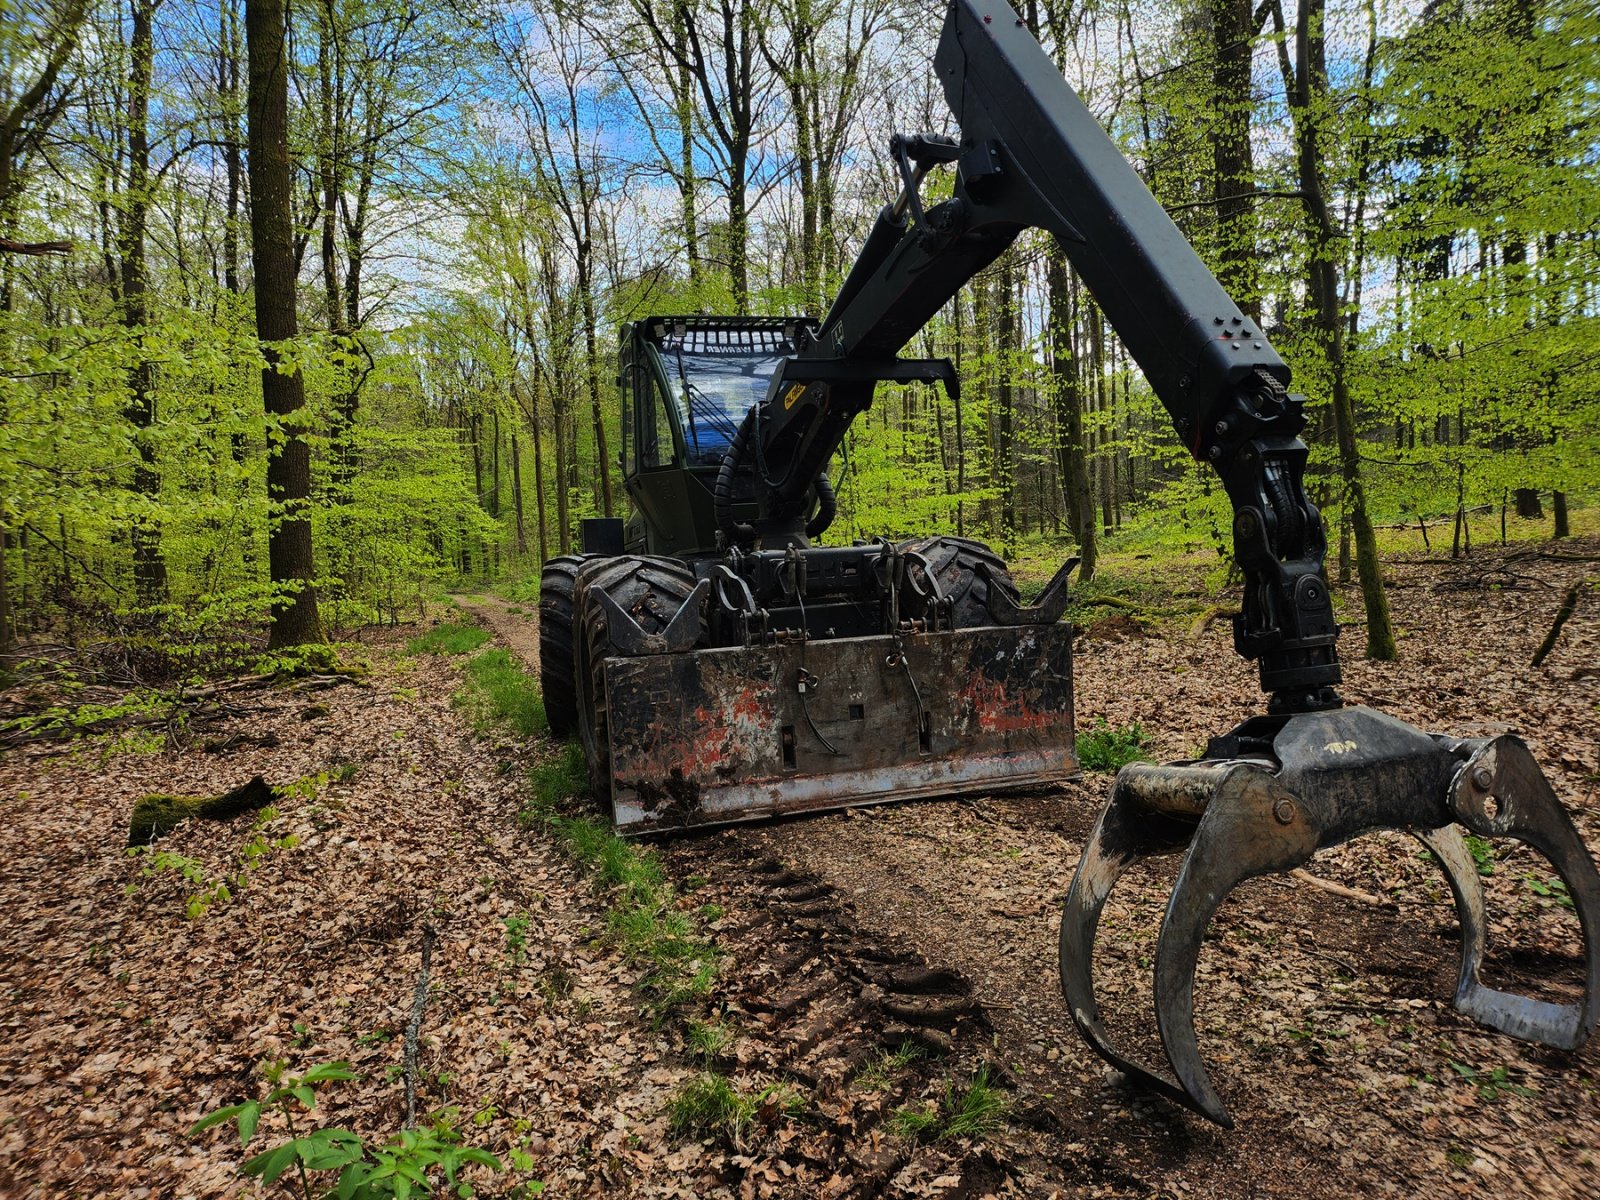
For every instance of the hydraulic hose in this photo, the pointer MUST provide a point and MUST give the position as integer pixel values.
(827, 506)
(734, 532)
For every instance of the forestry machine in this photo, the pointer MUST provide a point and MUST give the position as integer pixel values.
(718, 666)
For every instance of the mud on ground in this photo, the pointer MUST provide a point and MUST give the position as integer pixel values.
(1324, 1018)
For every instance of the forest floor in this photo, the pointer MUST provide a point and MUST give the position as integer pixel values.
(139, 997)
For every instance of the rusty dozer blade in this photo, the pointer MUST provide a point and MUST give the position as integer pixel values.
(742, 733)
(1278, 790)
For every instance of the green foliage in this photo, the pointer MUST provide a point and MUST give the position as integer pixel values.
(1107, 747)
(1553, 889)
(516, 937)
(1482, 852)
(411, 1162)
(709, 1040)
(209, 892)
(961, 1112)
(645, 919)
(709, 1105)
(879, 1075)
(1490, 1083)
(499, 692)
(448, 639)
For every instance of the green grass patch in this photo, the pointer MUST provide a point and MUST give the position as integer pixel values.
(709, 1105)
(448, 639)
(499, 693)
(879, 1075)
(1107, 747)
(645, 920)
(968, 1112)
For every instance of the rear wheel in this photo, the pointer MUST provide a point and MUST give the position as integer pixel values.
(557, 587)
(954, 562)
(651, 591)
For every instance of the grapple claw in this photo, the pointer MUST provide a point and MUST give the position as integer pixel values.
(1501, 792)
(1314, 780)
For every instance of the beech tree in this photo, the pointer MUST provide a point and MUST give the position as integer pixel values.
(295, 620)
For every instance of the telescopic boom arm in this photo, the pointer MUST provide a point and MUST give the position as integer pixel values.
(1031, 155)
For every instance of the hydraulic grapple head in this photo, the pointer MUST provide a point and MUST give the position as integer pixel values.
(1271, 795)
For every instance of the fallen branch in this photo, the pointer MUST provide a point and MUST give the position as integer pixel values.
(1339, 889)
(1569, 605)
(419, 1002)
(1204, 621)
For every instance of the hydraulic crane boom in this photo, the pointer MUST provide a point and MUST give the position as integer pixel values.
(1031, 155)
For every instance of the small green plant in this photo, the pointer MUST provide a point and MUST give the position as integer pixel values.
(499, 692)
(1482, 854)
(211, 892)
(709, 1040)
(710, 1106)
(517, 938)
(1554, 889)
(1490, 1083)
(878, 1075)
(1107, 747)
(448, 639)
(972, 1111)
(408, 1163)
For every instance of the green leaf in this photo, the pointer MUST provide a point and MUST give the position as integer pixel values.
(218, 1117)
(331, 1148)
(271, 1163)
(323, 1072)
(305, 1095)
(248, 1119)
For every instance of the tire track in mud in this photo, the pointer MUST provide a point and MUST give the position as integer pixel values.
(865, 1023)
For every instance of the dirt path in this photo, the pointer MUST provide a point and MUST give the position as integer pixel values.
(1325, 1020)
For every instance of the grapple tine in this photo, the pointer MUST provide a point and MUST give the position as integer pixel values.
(1125, 832)
(1501, 792)
(1251, 827)
(1319, 779)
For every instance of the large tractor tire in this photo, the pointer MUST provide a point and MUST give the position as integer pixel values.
(558, 583)
(651, 591)
(954, 563)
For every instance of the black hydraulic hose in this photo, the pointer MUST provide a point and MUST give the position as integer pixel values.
(735, 532)
(827, 506)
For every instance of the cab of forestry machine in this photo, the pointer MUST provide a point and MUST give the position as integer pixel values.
(718, 666)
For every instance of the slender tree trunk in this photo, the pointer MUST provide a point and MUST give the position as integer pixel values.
(1005, 464)
(295, 620)
(1309, 107)
(149, 566)
(516, 492)
(1233, 28)
(592, 353)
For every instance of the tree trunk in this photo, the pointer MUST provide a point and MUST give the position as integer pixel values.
(516, 492)
(1308, 89)
(1558, 507)
(1238, 264)
(1005, 465)
(149, 567)
(295, 620)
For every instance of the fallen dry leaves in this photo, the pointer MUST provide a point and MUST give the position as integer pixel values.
(1325, 1019)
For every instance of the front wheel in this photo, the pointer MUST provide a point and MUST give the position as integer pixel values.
(651, 590)
(954, 562)
(558, 583)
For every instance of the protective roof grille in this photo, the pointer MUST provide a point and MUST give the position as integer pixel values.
(737, 335)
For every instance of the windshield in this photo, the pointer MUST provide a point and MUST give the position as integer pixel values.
(713, 392)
